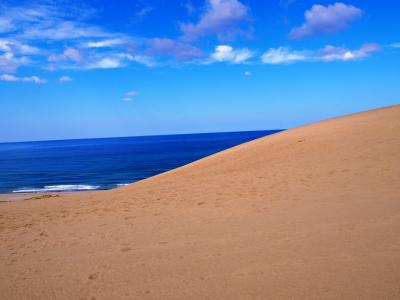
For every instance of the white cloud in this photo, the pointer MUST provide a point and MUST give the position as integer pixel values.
(105, 43)
(16, 47)
(74, 54)
(64, 79)
(49, 20)
(19, 18)
(73, 58)
(148, 61)
(132, 94)
(9, 63)
(56, 26)
(48, 25)
(14, 54)
(326, 19)
(228, 54)
(283, 55)
(222, 18)
(8, 77)
(247, 73)
(34, 79)
(129, 96)
(69, 54)
(12, 78)
(68, 41)
(66, 30)
(107, 63)
(331, 53)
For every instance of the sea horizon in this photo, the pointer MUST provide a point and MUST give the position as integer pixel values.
(105, 163)
(136, 136)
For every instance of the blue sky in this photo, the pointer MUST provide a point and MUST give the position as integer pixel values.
(78, 69)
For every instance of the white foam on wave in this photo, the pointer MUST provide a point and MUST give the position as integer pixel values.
(122, 184)
(59, 188)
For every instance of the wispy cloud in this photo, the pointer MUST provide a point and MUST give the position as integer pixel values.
(78, 58)
(395, 45)
(148, 61)
(129, 96)
(247, 73)
(64, 79)
(106, 63)
(12, 78)
(14, 54)
(142, 10)
(55, 37)
(69, 54)
(66, 30)
(331, 53)
(17, 19)
(326, 19)
(284, 55)
(189, 6)
(9, 62)
(6, 24)
(48, 21)
(286, 3)
(64, 38)
(225, 53)
(105, 43)
(223, 18)
(51, 26)
(17, 47)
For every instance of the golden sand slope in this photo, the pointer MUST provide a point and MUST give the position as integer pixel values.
(310, 213)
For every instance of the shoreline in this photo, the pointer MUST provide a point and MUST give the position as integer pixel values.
(18, 197)
(115, 163)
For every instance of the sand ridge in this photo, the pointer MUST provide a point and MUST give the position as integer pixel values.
(309, 213)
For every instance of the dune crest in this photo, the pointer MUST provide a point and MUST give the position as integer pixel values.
(308, 213)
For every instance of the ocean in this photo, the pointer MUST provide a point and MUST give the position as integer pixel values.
(105, 163)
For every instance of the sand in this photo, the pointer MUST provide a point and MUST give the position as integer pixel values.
(26, 196)
(309, 213)
(11, 197)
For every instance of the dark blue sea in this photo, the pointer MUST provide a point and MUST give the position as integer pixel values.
(98, 164)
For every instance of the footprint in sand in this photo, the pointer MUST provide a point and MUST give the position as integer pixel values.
(93, 276)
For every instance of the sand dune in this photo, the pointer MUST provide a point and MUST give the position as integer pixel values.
(309, 213)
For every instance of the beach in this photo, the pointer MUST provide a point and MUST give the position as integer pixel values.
(308, 213)
(27, 196)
